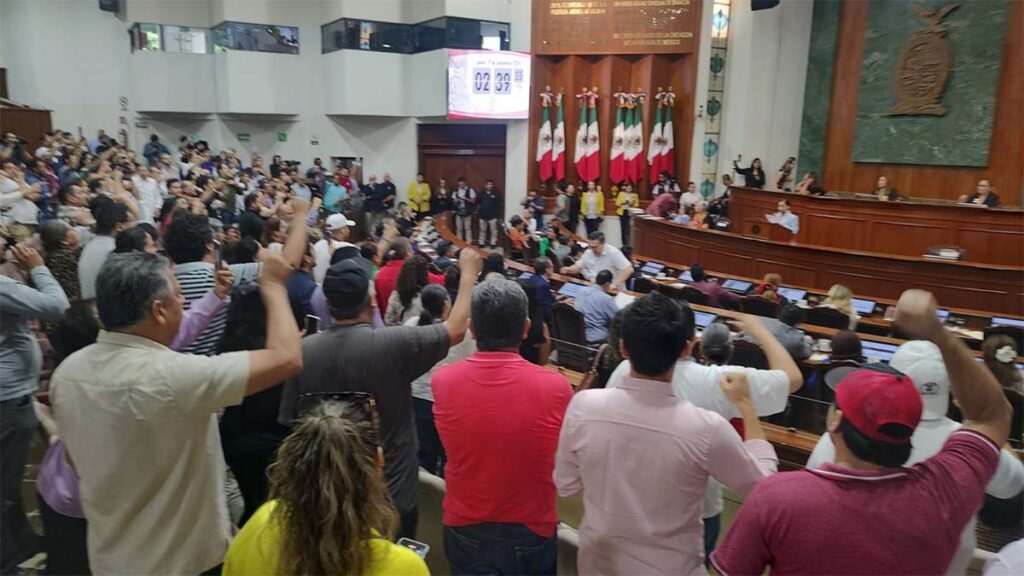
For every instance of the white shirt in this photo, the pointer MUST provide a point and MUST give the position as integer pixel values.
(322, 257)
(1008, 562)
(611, 259)
(150, 198)
(689, 198)
(94, 254)
(927, 441)
(22, 211)
(140, 423)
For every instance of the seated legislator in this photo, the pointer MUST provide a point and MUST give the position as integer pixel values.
(866, 513)
(841, 298)
(883, 192)
(718, 297)
(785, 218)
(786, 331)
(984, 195)
(600, 257)
(597, 304)
(921, 361)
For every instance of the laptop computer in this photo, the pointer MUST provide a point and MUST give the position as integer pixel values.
(652, 268)
(1000, 321)
(703, 319)
(863, 307)
(792, 294)
(737, 286)
(878, 350)
(526, 275)
(686, 276)
(570, 289)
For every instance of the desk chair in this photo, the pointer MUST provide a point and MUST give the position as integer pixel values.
(693, 295)
(828, 317)
(644, 285)
(759, 306)
(1014, 332)
(748, 354)
(569, 338)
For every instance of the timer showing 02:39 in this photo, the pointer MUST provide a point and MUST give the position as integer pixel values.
(492, 80)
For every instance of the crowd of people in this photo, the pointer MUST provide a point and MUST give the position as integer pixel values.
(235, 386)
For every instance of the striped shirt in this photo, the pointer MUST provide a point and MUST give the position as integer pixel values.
(196, 279)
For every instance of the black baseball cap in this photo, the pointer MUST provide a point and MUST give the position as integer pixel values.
(346, 286)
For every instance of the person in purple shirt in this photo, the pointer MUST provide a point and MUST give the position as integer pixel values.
(718, 297)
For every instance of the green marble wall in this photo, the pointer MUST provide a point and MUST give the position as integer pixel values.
(818, 89)
(975, 32)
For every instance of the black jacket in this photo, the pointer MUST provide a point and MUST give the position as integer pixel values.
(490, 205)
(750, 179)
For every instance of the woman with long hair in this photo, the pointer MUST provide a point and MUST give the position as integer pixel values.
(404, 302)
(769, 286)
(536, 347)
(62, 250)
(841, 298)
(274, 235)
(329, 511)
(753, 175)
(436, 307)
(784, 177)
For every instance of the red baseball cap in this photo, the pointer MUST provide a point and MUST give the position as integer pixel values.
(872, 399)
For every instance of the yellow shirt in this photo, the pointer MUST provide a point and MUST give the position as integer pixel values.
(624, 201)
(257, 549)
(419, 196)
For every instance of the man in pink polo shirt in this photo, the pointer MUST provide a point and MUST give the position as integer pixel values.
(499, 417)
(866, 514)
(642, 458)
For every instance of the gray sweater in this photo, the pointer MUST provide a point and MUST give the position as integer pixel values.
(792, 339)
(20, 357)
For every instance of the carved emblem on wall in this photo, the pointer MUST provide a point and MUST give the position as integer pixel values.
(923, 68)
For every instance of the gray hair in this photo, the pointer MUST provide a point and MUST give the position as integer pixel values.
(498, 310)
(127, 286)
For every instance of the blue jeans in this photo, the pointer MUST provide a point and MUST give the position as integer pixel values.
(490, 549)
(429, 448)
(712, 526)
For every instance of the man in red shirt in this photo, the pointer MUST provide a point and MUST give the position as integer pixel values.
(499, 417)
(386, 278)
(866, 514)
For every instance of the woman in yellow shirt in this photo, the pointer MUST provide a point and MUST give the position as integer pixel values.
(419, 196)
(329, 511)
(624, 200)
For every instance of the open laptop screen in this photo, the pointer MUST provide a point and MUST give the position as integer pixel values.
(863, 307)
(793, 294)
(570, 289)
(737, 286)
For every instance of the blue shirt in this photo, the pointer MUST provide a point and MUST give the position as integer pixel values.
(545, 299)
(598, 308)
(334, 195)
(790, 222)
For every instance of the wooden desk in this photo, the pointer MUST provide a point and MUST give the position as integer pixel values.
(904, 228)
(999, 289)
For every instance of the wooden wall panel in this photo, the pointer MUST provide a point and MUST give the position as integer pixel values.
(992, 236)
(1006, 156)
(991, 288)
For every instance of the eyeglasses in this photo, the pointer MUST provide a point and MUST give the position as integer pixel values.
(365, 404)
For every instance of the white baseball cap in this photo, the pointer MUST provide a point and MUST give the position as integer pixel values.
(922, 362)
(338, 221)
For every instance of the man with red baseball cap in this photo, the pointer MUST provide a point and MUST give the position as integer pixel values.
(866, 514)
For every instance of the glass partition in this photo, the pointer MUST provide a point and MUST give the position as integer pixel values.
(246, 37)
(149, 37)
(446, 32)
(186, 39)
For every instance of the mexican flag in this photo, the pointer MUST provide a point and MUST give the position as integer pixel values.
(617, 157)
(654, 148)
(593, 145)
(668, 147)
(580, 153)
(558, 146)
(634, 143)
(544, 146)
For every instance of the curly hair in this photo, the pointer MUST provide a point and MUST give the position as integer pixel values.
(187, 237)
(330, 493)
(412, 279)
